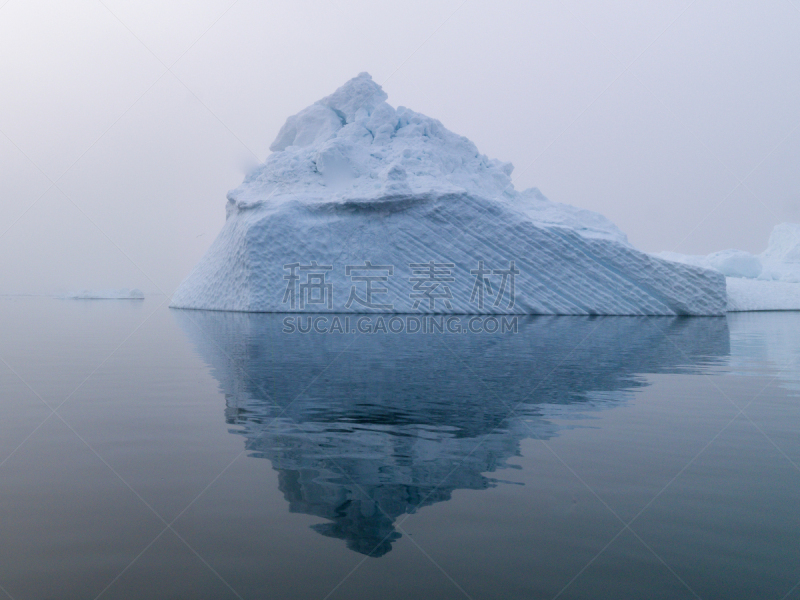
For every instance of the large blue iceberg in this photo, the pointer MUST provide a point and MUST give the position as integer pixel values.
(362, 207)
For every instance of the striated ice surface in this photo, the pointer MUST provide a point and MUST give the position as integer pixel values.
(352, 179)
(767, 281)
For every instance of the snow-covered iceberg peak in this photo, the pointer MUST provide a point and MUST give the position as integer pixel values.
(353, 146)
(354, 181)
(356, 100)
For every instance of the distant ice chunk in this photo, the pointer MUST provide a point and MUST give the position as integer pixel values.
(731, 263)
(123, 294)
(758, 294)
(352, 180)
(735, 263)
(781, 259)
(768, 281)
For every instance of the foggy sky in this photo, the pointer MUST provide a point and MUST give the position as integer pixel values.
(677, 120)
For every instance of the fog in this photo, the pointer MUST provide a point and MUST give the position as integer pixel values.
(123, 125)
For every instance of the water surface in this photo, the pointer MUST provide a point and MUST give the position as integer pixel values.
(208, 454)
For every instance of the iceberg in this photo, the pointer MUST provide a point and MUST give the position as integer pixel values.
(766, 281)
(362, 207)
(761, 294)
(781, 259)
(123, 294)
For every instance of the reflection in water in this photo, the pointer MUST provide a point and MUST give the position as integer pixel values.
(365, 428)
(764, 343)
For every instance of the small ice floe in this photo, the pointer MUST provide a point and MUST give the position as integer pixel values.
(123, 294)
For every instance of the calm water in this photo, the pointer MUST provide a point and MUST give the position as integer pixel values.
(210, 455)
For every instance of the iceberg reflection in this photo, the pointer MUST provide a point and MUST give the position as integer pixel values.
(365, 428)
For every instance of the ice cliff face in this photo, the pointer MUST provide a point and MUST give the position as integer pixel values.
(434, 226)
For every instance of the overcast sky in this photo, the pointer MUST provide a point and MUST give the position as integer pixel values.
(124, 124)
